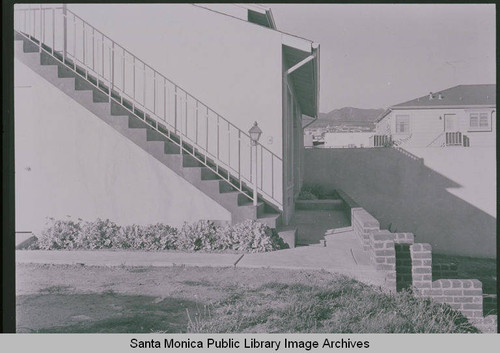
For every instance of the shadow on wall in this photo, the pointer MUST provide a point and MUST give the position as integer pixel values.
(402, 192)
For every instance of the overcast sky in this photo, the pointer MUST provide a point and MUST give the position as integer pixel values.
(374, 56)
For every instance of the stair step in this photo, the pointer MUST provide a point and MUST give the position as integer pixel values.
(328, 205)
(154, 135)
(189, 161)
(207, 174)
(288, 234)
(273, 220)
(136, 123)
(320, 244)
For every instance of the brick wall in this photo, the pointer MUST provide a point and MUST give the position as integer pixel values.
(444, 271)
(382, 246)
(464, 295)
(363, 224)
(410, 265)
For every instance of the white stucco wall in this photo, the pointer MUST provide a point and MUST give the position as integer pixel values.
(231, 65)
(472, 169)
(448, 200)
(340, 140)
(69, 162)
(427, 124)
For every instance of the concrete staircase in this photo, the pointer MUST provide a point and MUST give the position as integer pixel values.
(148, 136)
(316, 219)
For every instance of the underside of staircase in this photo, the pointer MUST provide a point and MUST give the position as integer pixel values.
(163, 145)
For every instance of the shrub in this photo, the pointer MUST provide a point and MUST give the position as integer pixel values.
(306, 195)
(252, 236)
(248, 236)
(61, 234)
(312, 192)
(200, 235)
(99, 234)
(151, 237)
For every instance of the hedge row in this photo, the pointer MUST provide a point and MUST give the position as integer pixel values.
(248, 236)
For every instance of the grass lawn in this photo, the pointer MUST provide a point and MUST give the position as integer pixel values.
(62, 298)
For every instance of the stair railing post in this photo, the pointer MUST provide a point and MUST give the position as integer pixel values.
(110, 86)
(65, 31)
(255, 182)
(254, 133)
(40, 38)
(53, 32)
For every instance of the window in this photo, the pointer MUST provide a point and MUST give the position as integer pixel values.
(402, 124)
(479, 122)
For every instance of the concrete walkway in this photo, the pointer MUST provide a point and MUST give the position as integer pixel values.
(312, 224)
(344, 257)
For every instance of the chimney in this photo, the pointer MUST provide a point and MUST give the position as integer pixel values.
(431, 97)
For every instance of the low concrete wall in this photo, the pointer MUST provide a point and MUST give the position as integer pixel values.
(403, 192)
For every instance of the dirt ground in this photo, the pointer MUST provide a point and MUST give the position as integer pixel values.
(63, 298)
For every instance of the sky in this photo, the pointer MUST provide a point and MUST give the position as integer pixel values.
(375, 56)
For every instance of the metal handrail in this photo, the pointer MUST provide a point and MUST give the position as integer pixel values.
(104, 72)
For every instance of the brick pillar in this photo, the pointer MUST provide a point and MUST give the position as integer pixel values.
(363, 224)
(421, 270)
(383, 255)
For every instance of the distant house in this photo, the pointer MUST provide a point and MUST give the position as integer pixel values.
(463, 115)
(347, 139)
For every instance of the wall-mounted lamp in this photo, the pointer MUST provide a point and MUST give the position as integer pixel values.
(255, 133)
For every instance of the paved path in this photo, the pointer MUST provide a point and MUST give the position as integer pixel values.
(312, 225)
(344, 257)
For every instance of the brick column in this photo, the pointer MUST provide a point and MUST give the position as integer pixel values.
(363, 224)
(383, 255)
(421, 271)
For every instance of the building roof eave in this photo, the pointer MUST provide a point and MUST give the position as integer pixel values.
(443, 107)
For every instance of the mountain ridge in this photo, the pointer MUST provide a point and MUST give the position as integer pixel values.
(348, 116)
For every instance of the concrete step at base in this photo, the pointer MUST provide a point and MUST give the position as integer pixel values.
(313, 205)
(320, 244)
(288, 234)
(273, 220)
(339, 230)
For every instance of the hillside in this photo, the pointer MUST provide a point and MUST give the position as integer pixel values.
(348, 116)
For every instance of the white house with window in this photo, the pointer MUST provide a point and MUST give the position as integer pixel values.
(463, 115)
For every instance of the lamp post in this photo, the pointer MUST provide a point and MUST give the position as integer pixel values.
(255, 133)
